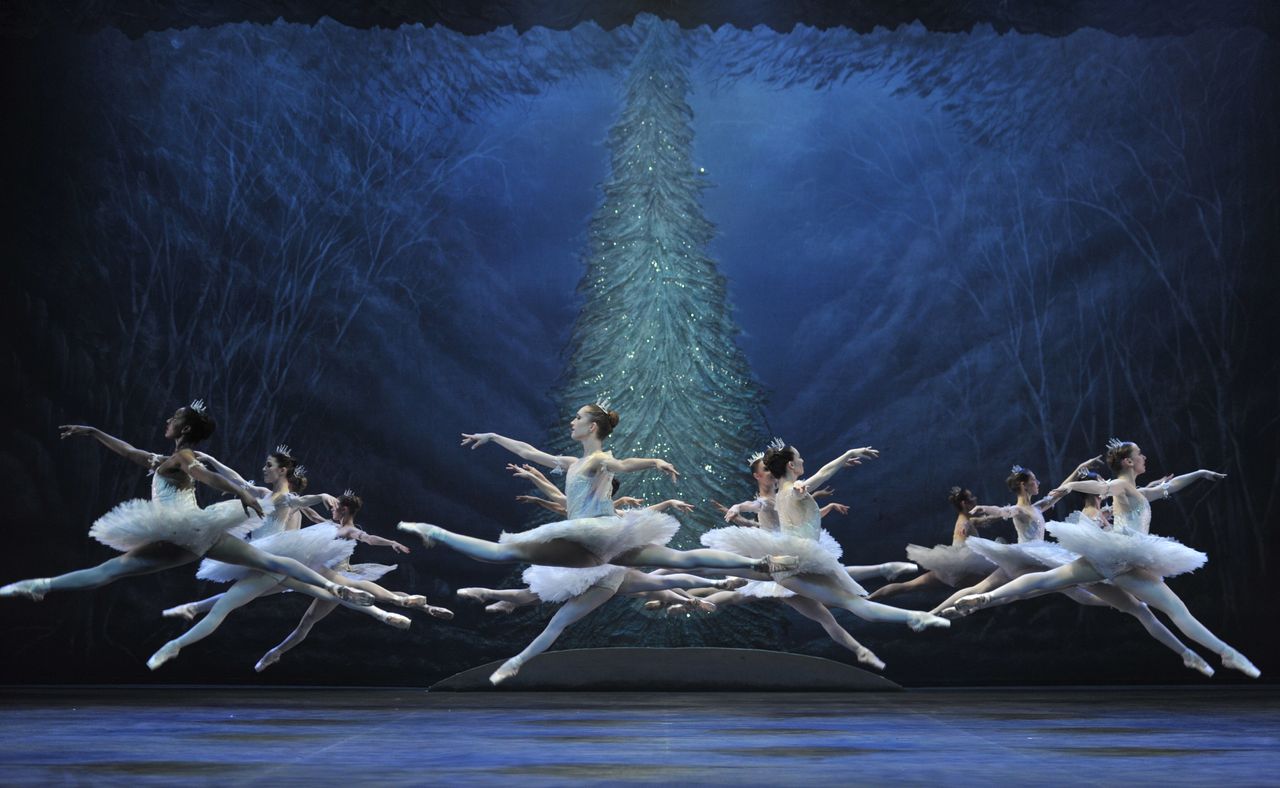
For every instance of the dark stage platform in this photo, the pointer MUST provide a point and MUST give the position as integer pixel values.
(672, 670)
(1099, 736)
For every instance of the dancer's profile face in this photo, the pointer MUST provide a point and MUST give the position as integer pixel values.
(1139, 460)
(271, 470)
(173, 425)
(797, 464)
(580, 425)
(1032, 485)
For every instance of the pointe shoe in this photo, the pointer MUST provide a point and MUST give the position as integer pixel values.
(268, 659)
(653, 604)
(509, 668)
(951, 613)
(186, 612)
(730, 583)
(442, 613)
(1236, 661)
(698, 603)
(895, 569)
(1196, 662)
(921, 621)
(425, 532)
(27, 589)
(167, 652)
(356, 596)
(968, 604)
(501, 606)
(393, 619)
(865, 656)
(474, 594)
(677, 609)
(774, 564)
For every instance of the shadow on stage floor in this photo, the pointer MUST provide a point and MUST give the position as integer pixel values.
(1093, 736)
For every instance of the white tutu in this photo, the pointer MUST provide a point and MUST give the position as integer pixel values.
(1120, 550)
(952, 563)
(171, 515)
(1019, 559)
(364, 571)
(819, 556)
(604, 537)
(560, 583)
(316, 547)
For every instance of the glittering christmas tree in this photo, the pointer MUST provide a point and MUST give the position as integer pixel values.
(655, 338)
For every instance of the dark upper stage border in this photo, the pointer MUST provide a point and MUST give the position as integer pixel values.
(28, 18)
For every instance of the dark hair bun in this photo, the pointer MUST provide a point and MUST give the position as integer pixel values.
(613, 418)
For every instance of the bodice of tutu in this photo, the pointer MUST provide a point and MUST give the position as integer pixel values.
(1030, 529)
(282, 515)
(767, 517)
(798, 514)
(1137, 520)
(587, 496)
(165, 490)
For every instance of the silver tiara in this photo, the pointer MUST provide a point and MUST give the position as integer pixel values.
(604, 404)
(1114, 443)
(755, 457)
(1017, 469)
(283, 448)
(348, 493)
(299, 470)
(777, 444)
(197, 405)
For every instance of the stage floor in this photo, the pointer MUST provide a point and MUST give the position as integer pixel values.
(1095, 736)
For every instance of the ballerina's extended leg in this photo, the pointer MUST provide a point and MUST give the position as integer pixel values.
(569, 613)
(236, 551)
(924, 581)
(144, 560)
(827, 591)
(816, 612)
(318, 610)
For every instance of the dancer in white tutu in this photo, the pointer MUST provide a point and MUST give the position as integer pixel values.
(359, 575)
(319, 547)
(594, 536)
(819, 576)
(953, 565)
(171, 529)
(1127, 556)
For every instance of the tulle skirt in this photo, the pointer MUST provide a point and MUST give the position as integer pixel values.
(316, 547)
(176, 520)
(819, 556)
(604, 537)
(952, 563)
(1023, 557)
(560, 584)
(1121, 550)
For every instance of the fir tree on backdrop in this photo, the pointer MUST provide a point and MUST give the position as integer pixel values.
(655, 337)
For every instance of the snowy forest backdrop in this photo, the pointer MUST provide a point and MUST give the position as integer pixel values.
(965, 249)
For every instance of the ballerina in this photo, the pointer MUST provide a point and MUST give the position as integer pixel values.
(1128, 556)
(953, 565)
(819, 575)
(594, 536)
(318, 547)
(360, 575)
(171, 529)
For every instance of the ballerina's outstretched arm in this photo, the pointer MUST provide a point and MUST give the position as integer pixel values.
(131, 453)
(849, 459)
(737, 519)
(600, 460)
(230, 473)
(362, 536)
(518, 448)
(1167, 487)
(540, 481)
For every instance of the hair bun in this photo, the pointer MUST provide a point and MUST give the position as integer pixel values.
(613, 418)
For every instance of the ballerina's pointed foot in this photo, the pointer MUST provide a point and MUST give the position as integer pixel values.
(1196, 662)
(442, 613)
(698, 603)
(356, 596)
(509, 668)
(167, 652)
(730, 583)
(677, 609)
(951, 613)
(968, 604)
(867, 658)
(425, 531)
(268, 659)
(27, 589)
(186, 612)
(474, 594)
(921, 621)
(394, 619)
(895, 569)
(774, 564)
(653, 604)
(501, 606)
(1236, 661)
